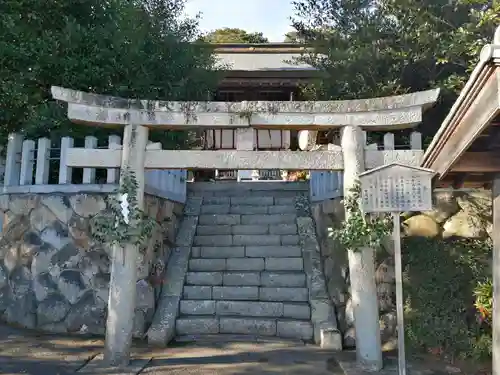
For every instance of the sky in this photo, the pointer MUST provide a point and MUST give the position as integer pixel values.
(271, 17)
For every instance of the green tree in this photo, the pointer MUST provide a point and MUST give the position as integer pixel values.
(234, 35)
(370, 48)
(137, 49)
(293, 37)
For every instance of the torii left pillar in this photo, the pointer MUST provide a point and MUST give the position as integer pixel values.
(122, 288)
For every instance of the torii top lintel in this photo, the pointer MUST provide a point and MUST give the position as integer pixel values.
(385, 113)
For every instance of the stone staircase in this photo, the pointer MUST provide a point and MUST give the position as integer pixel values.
(245, 275)
(247, 263)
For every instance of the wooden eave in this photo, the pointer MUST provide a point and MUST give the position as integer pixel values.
(474, 110)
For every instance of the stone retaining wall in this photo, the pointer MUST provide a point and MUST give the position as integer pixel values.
(455, 214)
(53, 277)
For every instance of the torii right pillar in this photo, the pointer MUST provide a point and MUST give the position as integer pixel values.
(361, 264)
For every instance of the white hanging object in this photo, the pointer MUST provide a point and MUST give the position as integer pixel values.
(124, 205)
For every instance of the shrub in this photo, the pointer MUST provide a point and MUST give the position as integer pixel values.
(441, 290)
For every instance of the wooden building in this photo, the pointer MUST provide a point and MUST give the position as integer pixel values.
(466, 152)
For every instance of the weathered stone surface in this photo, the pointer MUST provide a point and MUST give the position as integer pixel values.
(41, 217)
(284, 264)
(43, 285)
(193, 206)
(273, 251)
(204, 278)
(71, 285)
(52, 309)
(297, 311)
(208, 264)
(465, 224)
(197, 325)
(249, 308)
(250, 229)
(22, 205)
(56, 235)
(59, 206)
(162, 329)
(216, 240)
(88, 315)
(256, 240)
(295, 329)
(235, 293)
(283, 294)
(206, 230)
(222, 252)
(87, 205)
(21, 310)
(421, 226)
(245, 264)
(247, 209)
(267, 219)
(231, 219)
(241, 278)
(247, 326)
(188, 307)
(277, 279)
(49, 263)
(197, 292)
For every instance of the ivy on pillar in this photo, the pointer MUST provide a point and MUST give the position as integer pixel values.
(361, 262)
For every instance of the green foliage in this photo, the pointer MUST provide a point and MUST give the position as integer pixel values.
(360, 230)
(372, 48)
(440, 277)
(136, 49)
(111, 228)
(484, 298)
(233, 35)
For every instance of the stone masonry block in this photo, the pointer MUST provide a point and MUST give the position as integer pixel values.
(245, 264)
(289, 239)
(252, 201)
(217, 240)
(204, 278)
(283, 294)
(283, 228)
(207, 230)
(281, 209)
(283, 279)
(246, 326)
(248, 210)
(162, 329)
(219, 219)
(284, 201)
(246, 293)
(273, 251)
(249, 308)
(215, 209)
(268, 219)
(223, 252)
(250, 229)
(295, 329)
(197, 325)
(199, 292)
(284, 264)
(216, 200)
(207, 265)
(190, 307)
(241, 278)
(297, 311)
(255, 240)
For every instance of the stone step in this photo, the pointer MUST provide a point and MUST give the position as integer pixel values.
(287, 264)
(250, 229)
(264, 279)
(232, 240)
(246, 219)
(209, 324)
(247, 209)
(245, 293)
(246, 308)
(268, 219)
(260, 187)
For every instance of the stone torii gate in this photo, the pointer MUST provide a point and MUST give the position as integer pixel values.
(138, 116)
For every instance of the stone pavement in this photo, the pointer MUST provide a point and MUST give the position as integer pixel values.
(25, 352)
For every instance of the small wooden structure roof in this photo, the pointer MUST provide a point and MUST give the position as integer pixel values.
(466, 148)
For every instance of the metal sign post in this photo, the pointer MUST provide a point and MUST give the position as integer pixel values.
(397, 188)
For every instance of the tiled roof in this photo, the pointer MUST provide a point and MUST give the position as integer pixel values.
(262, 61)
